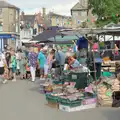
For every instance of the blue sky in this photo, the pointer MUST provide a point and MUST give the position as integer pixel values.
(33, 6)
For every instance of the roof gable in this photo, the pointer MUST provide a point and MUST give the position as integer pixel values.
(28, 18)
(78, 6)
(4, 4)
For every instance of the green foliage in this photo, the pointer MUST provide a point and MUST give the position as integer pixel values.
(105, 10)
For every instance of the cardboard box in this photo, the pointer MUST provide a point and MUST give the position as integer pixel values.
(89, 101)
(52, 104)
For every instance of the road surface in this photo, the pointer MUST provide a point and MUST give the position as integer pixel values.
(22, 101)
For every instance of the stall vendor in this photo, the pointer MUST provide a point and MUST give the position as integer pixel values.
(73, 63)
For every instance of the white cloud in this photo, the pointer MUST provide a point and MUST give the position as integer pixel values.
(64, 10)
(59, 9)
(32, 6)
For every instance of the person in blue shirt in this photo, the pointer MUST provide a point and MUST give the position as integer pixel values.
(59, 62)
(42, 60)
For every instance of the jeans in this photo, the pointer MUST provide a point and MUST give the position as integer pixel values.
(33, 70)
(98, 70)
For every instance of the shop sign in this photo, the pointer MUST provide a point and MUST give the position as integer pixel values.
(7, 36)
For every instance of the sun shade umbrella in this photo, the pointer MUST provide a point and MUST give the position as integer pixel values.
(71, 33)
(63, 38)
(61, 42)
(50, 32)
(55, 28)
(43, 37)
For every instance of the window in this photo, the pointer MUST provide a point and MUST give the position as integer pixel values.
(57, 20)
(1, 28)
(75, 13)
(17, 14)
(17, 27)
(83, 13)
(0, 11)
(79, 13)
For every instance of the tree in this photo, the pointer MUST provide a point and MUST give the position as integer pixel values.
(105, 10)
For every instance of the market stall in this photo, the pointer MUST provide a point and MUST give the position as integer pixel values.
(76, 90)
(73, 92)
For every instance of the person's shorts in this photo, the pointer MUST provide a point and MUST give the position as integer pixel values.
(13, 69)
(41, 71)
(46, 69)
(2, 70)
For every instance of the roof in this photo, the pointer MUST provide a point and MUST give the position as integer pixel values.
(28, 18)
(39, 19)
(4, 4)
(112, 26)
(99, 31)
(54, 14)
(78, 6)
(115, 32)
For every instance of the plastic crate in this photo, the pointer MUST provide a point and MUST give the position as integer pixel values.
(51, 98)
(57, 82)
(69, 103)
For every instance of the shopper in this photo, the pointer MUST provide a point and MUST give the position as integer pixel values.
(59, 61)
(32, 56)
(2, 64)
(8, 60)
(18, 61)
(42, 61)
(22, 65)
(13, 65)
(48, 64)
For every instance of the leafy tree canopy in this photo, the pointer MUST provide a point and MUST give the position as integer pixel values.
(107, 11)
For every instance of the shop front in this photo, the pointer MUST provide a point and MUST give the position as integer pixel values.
(8, 39)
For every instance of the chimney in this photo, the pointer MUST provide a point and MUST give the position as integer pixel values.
(22, 13)
(44, 12)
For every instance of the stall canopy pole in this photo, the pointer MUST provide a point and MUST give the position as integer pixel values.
(95, 70)
(59, 57)
(114, 45)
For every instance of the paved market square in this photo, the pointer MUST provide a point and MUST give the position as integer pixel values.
(22, 100)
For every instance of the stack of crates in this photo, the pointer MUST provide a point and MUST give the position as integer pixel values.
(67, 102)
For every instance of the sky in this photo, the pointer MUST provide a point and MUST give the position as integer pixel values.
(33, 6)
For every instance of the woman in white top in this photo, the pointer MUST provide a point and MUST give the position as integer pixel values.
(2, 65)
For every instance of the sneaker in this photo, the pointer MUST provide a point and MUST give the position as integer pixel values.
(14, 80)
(33, 80)
(5, 81)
